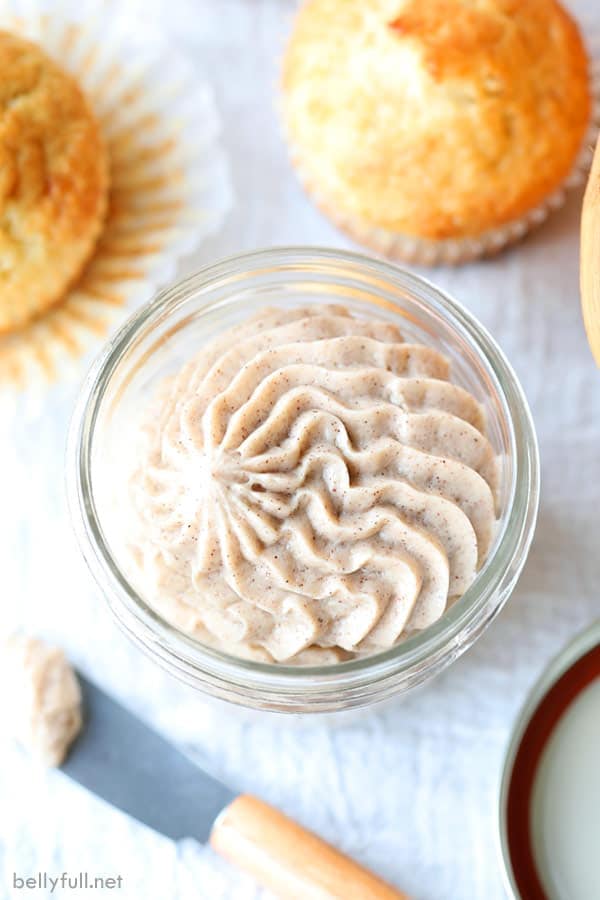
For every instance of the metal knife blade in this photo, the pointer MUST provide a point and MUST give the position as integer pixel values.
(122, 760)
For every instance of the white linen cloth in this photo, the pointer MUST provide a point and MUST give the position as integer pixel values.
(410, 790)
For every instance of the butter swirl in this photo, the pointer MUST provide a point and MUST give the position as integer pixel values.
(311, 488)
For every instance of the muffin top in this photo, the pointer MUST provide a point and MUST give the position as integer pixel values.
(437, 120)
(53, 181)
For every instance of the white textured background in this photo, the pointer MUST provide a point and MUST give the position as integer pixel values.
(410, 791)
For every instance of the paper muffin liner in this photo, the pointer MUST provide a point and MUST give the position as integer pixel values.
(169, 179)
(454, 251)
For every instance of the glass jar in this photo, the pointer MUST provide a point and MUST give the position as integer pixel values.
(165, 333)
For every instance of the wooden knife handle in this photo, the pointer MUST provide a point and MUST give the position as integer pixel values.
(288, 860)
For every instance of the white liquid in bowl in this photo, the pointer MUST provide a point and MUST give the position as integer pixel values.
(566, 803)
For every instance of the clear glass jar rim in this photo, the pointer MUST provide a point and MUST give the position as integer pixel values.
(452, 633)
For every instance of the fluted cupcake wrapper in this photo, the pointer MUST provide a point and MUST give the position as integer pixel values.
(454, 251)
(169, 179)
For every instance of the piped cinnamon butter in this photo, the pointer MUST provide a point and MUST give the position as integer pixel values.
(311, 488)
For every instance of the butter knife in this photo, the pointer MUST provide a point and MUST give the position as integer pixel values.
(125, 762)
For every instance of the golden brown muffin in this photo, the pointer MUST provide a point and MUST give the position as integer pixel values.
(435, 120)
(53, 181)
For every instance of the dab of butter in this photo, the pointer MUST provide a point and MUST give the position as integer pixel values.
(43, 701)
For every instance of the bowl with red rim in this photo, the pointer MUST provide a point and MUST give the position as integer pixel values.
(550, 789)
